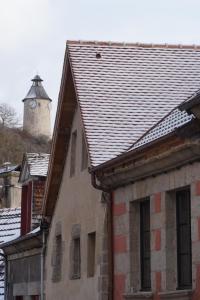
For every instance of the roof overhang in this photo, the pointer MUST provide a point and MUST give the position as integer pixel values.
(23, 243)
(61, 136)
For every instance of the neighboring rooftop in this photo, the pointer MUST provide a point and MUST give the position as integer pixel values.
(37, 90)
(38, 163)
(124, 89)
(10, 220)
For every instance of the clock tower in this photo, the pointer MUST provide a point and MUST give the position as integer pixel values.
(37, 108)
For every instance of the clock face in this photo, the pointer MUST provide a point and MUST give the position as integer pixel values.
(32, 104)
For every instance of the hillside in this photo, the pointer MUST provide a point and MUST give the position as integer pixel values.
(14, 142)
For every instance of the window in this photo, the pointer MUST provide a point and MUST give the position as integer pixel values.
(84, 161)
(91, 254)
(183, 223)
(73, 153)
(76, 263)
(57, 258)
(145, 245)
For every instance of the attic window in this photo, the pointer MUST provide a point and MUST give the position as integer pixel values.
(98, 55)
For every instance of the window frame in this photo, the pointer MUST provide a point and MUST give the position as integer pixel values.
(73, 153)
(180, 266)
(91, 253)
(145, 205)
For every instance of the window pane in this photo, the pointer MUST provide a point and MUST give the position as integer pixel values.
(73, 153)
(184, 259)
(91, 253)
(145, 245)
(84, 162)
(76, 258)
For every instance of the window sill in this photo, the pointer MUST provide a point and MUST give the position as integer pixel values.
(75, 277)
(139, 296)
(179, 294)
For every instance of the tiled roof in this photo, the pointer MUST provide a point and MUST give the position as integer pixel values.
(167, 125)
(37, 90)
(38, 163)
(9, 168)
(124, 89)
(10, 220)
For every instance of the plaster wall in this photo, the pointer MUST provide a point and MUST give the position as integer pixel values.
(161, 191)
(78, 206)
(36, 120)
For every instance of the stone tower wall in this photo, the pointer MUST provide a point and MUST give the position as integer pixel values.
(37, 120)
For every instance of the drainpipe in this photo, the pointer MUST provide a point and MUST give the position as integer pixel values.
(5, 275)
(44, 228)
(42, 266)
(110, 232)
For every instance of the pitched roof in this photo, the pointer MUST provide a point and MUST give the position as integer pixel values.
(123, 89)
(10, 223)
(167, 125)
(37, 90)
(38, 163)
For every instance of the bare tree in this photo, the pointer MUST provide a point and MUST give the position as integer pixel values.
(8, 116)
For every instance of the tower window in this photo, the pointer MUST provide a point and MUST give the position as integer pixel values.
(84, 161)
(76, 259)
(183, 222)
(73, 153)
(145, 245)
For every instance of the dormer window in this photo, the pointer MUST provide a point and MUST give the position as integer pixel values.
(73, 153)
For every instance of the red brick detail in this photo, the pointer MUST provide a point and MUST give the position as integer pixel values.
(198, 225)
(156, 296)
(158, 280)
(157, 239)
(157, 203)
(198, 188)
(196, 295)
(120, 244)
(119, 286)
(119, 209)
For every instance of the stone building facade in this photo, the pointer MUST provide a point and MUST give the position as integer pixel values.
(156, 214)
(24, 254)
(108, 100)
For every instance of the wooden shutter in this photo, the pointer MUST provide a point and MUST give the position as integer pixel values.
(184, 259)
(145, 245)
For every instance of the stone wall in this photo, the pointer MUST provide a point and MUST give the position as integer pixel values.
(161, 190)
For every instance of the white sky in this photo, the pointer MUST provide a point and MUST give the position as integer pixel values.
(33, 34)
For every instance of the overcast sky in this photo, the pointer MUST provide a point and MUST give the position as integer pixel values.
(33, 34)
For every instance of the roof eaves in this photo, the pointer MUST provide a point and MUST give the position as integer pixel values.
(127, 44)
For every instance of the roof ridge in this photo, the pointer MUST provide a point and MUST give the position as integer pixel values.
(128, 44)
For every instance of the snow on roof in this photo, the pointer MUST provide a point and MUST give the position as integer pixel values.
(10, 223)
(123, 90)
(38, 163)
(167, 125)
(8, 168)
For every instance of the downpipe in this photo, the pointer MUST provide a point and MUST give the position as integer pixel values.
(110, 232)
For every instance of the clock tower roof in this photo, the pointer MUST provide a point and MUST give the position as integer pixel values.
(37, 90)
